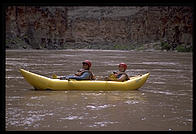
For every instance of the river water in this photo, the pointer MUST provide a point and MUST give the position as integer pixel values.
(164, 102)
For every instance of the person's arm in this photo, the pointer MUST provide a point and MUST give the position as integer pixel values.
(84, 76)
(79, 72)
(122, 78)
(111, 77)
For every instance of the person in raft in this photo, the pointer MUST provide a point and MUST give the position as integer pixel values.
(82, 74)
(120, 75)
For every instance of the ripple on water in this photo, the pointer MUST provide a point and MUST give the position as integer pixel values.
(103, 123)
(131, 102)
(158, 82)
(32, 119)
(160, 92)
(168, 70)
(10, 77)
(33, 105)
(72, 117)
(37, 97)
(92, 107)
(14, 59)
(159, 63)
(14, 98)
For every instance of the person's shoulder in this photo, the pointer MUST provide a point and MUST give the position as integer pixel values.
(87, 72)
(125, 73)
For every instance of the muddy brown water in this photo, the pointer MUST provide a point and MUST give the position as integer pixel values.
(164, 102)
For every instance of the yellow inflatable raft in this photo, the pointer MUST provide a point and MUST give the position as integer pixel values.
(43, 83)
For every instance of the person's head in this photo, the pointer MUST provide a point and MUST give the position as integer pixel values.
(122, 67)
(86, 64)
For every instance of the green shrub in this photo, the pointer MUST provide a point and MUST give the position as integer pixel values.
(184, 48)
(121, 47)
(165, 46)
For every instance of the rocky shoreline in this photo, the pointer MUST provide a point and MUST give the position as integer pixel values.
(156, 46)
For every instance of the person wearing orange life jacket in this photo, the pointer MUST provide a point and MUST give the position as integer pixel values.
(82, 74)
(120, 75)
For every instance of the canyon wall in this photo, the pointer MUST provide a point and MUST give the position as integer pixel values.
(97, 27)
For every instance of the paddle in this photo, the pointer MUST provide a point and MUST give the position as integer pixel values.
(112, 77)
(54, 76)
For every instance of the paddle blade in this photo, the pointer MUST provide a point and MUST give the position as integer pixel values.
(54, 76)
(112, 77)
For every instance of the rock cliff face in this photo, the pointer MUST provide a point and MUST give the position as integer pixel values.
(98, 27)
(37, 26)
